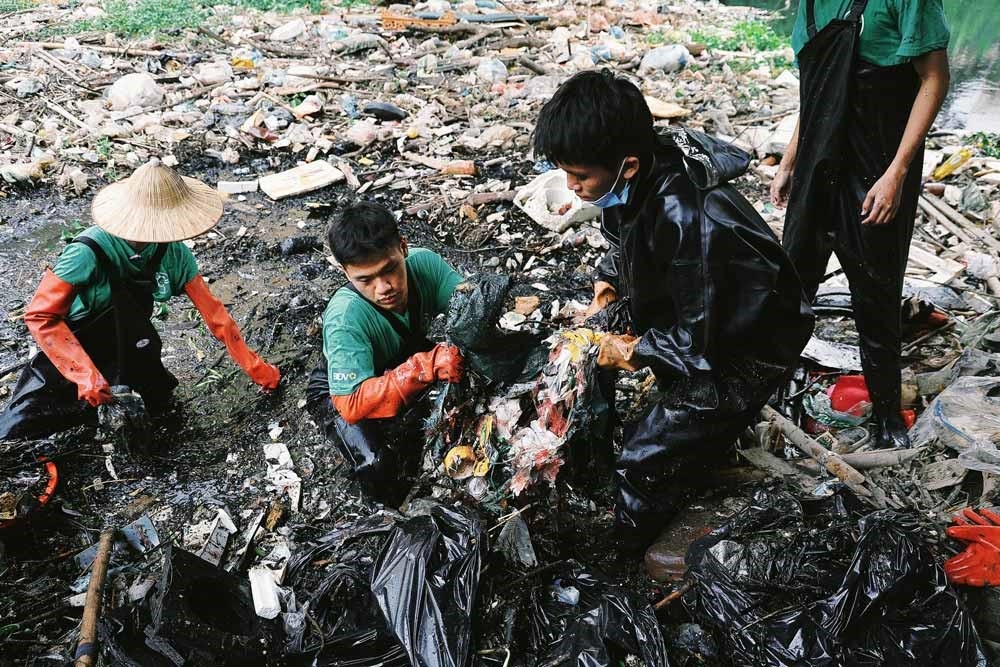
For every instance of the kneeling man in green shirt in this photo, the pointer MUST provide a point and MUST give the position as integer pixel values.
(377, 361)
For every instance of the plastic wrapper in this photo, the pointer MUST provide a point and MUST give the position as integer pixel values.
(819, 408)
(965, 417)
(834, 587)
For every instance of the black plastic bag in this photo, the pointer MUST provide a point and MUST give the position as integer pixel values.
(499, 356)
(205, 615)
(426, 580)
(574, 618)
(779, 587)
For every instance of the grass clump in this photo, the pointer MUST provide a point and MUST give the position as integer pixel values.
(280, 6)
(744, 36)
(146, 17)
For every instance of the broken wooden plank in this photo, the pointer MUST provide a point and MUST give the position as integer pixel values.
(945, 270)
(883, 458)
(300, 180)
(963, 222)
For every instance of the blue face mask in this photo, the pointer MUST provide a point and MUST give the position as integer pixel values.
(611, 198)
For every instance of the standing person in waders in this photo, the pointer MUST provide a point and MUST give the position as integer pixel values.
(873, 76)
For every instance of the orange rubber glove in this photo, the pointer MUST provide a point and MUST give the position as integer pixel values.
(617, 351)
(387, 395)
(979, 564)
(604, 294)
(46, 320)
(225, 330)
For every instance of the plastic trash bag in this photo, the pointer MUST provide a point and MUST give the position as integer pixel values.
(499, 356)
(205, 615)
(829, 588)
(965, 417)
(582, 620)
(426, 580)
(396, 591)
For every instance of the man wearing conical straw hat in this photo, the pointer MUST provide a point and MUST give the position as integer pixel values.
(90, 315)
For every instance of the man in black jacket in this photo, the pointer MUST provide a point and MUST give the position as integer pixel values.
(695, 287)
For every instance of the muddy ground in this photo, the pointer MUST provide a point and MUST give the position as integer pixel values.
(207, 451)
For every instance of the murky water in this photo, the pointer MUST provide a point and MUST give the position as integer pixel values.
(974, 101)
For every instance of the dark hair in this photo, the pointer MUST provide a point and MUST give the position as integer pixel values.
(362, 232)
(594, 118)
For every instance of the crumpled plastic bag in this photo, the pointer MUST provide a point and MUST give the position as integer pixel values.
(426, 580)
(502, 357)
(965, 417)
(586, 621)
(827, 589)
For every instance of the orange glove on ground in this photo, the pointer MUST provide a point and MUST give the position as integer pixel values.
(224, 328)
(388, 394)
(617, 352)
(979, 564)
(46, 320)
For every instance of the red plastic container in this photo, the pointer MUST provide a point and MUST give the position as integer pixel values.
(849, 395)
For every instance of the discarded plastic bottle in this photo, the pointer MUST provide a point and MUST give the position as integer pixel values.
(957, 159)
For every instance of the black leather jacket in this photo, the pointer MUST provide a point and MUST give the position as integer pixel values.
(701, 277)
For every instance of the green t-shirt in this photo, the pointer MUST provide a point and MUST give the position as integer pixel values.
(893, 32)
(78, 266)
(359, 343)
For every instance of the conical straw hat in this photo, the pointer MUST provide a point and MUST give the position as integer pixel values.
(156, 205)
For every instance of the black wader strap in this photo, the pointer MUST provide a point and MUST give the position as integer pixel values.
(857, 9)
(811, 18)
(407, 334)
(148, 271)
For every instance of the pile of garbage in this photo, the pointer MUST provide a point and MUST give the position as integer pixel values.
(785, 583)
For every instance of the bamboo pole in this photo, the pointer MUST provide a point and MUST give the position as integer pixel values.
(86, 649)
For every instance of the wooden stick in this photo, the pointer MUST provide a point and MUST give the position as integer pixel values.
(884, 458)
(86, 649)
(833, 463)
(681, 590)
(931, 211)
(120, 50)
(967, 225)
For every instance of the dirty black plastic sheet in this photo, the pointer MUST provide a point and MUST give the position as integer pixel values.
(569, 617)
(500, 356)
(783, 588)
(426, 580)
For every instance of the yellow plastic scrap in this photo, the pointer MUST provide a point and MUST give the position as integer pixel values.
(485, 436)
(460, 462)
(580, 341)
(242, 63)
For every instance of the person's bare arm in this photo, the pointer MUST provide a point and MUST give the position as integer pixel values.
(782, 183)
(882, 201)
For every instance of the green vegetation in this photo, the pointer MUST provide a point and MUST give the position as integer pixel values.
(7, 6)
(143, 18)
(988, 143)
(72, 230)
(146, 17)
(280, 6)
(744, 36)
